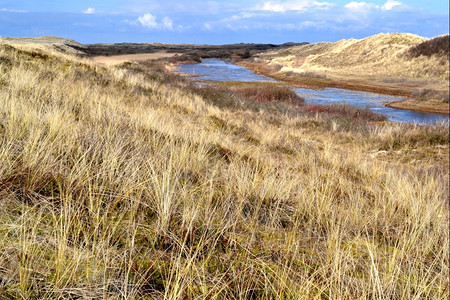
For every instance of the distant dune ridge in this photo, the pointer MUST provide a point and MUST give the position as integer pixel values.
(391, 55)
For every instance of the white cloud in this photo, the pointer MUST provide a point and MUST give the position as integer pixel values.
(13, 10)
(292, 5)
(90, 10)
(364, 6)
(390, 4)
(167, 23)
(148, 20)
(361, 6)
(207, 26)
(273, 7)
(323, 5)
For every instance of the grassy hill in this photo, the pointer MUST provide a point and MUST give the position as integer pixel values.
(128, 182)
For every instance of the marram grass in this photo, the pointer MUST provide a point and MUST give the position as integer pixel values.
(126, 183)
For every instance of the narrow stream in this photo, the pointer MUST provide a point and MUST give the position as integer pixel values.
(219, 70)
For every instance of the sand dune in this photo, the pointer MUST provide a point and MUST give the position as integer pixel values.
(383, 55)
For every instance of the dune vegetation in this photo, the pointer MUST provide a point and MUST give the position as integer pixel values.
(128, 182)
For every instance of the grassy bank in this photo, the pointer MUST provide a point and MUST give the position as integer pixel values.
(129, 182)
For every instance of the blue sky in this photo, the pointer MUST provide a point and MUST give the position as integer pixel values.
(219, 22)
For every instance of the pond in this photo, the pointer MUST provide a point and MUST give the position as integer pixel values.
(219, 70)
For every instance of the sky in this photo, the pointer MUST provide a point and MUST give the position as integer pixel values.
(221, 22)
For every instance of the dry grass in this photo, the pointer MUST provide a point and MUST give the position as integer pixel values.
(116, 183)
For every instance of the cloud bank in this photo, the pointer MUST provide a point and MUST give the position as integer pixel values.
(218, 22)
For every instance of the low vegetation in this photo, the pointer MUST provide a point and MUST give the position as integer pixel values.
(128, 182)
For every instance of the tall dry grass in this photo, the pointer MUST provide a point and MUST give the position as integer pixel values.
(115, 183)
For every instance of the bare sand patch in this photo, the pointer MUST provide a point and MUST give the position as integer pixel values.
(118, 59)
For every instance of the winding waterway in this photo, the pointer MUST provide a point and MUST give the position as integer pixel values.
(219, 70)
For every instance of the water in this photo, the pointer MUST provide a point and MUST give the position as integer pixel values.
(219, 70)
(372, 101)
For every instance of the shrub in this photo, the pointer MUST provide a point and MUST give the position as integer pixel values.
(438, 45)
